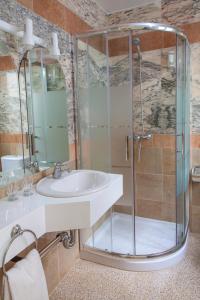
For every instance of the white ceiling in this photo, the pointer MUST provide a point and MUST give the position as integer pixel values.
(110, 6)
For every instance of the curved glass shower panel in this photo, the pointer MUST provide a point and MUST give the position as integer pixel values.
(182, 140)
(121, 123)
(155, 151)
(94, 122)
(94, 137)
(187, 136)
(142, 107)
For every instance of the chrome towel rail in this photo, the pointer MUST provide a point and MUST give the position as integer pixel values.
(67, 239)
(15, 233)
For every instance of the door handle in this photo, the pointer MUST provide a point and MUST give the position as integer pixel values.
(127, 147)
(27, 140)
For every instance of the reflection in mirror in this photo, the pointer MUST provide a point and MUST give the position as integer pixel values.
(11, 150)
(46, 97)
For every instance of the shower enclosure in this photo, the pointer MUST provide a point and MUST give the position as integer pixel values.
(132, 92)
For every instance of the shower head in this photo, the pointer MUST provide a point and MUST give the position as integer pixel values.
(136, 41)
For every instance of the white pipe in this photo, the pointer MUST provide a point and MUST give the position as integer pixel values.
(6, 27)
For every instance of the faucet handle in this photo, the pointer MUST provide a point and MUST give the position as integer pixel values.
(62, 164)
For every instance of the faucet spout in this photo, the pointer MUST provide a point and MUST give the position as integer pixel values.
(57, 172)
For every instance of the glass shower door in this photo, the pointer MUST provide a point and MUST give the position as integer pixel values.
(105, 132)
(121, 123)
(94, 124)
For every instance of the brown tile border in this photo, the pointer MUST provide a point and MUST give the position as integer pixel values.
(58, 14)
(192, 31)
(195, 141)
(7, 63)
(155, 40)
(14, 138)
(26, 3)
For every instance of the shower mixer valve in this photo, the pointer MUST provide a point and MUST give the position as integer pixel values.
(143, 136)
(137, 138)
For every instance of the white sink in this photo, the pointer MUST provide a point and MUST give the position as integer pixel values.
(97, 191)
(73, 184)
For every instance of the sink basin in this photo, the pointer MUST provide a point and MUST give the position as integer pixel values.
(73, 184)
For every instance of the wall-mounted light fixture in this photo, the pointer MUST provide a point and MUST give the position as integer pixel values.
(28, 38)
(55, 51)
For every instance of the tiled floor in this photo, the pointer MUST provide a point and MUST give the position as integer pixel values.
(89, 281)
(116, 233)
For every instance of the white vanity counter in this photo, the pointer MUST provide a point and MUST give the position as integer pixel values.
(47, 214)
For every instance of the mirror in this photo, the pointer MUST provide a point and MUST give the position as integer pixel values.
(45, 127)
(11, 112)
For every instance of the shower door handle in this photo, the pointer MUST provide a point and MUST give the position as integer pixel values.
(27, 139)
(127, 147)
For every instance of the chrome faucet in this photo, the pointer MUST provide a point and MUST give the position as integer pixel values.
(57, 172)
(33, 166)
(139, 138)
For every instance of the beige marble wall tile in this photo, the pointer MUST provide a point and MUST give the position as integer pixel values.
(67, 257)
(180, 11)
(156, 210)
(195, 218)
(124, 209)
(144, 13)
(169, 188)
(51, 268)
(168, 211)
(196, 194)
(127, 198)
(149, 187)
(148, 208)
(151, 160)
(88, 10)
(195, 156)
(169, 163)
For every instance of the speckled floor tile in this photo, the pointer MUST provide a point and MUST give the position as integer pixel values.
(89, 281)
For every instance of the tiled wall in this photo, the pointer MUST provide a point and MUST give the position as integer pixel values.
(154, 174)
(155, 178)
(146, 13)
(58, 261)
(88, 10)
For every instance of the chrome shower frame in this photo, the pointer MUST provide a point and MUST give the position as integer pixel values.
(133, 26)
